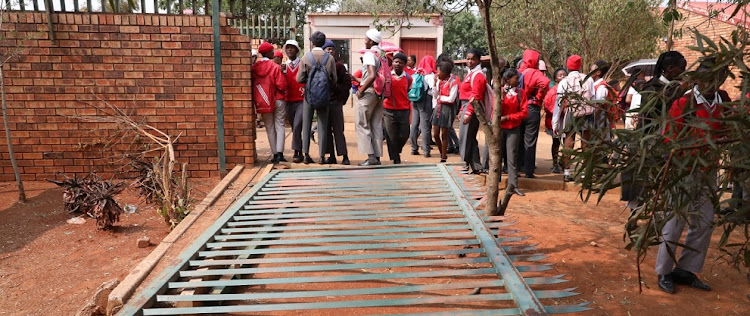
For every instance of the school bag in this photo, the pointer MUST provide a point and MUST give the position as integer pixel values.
(418, 89)
(579, 108)
(383, 78)
(613, 113)
(318, 90)
(489, 97)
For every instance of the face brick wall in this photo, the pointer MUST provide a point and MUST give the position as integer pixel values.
(158, 68)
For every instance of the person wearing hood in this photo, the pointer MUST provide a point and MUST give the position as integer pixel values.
(317, 55)
(294, 96)
(268, 94)
(421, 114)
(369, 110)
(336, 112)
(534, 87)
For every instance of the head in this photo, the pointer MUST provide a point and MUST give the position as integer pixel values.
(411, 61)
(670, 64)
(399, 62)
(266, 50)
(329, 47)
(444, 57)
(291, 49)
(543, 66)
(278, 57)
(444, 70)
(372, 38)
(510, 77)
(474, 57)
(708, 78)
(560, 74)
(318, 39)
(598, 69)
(517, 62)
(614, 84)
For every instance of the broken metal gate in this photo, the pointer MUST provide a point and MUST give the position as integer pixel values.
(386, 240)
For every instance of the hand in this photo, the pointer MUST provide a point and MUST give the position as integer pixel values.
(503, 118)
(467, 118)
(360, 94)
(283, 68)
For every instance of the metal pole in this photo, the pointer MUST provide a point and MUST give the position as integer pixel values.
(219, 95)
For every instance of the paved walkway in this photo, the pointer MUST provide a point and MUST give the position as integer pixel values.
(544, 155)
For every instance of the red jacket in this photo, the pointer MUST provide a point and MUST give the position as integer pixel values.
(473, 86)
(399, 99)
(294, 88)
(267, 75)
(535, 83)
(675, 126)
(515, 110)
(549, 106)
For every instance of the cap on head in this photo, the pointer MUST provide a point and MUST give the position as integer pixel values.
(292, 43)
(329, 43)
(374, 35)
(574, 63)
(542, 65)
(265, 47)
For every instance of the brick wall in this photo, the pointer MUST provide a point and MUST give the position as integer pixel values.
(160, 68)
(713, 29)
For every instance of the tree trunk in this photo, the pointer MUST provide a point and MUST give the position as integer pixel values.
(21, 192)
(492, 132)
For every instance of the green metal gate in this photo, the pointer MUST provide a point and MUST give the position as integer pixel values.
(387, 240)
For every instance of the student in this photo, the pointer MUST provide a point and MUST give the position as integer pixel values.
(704, 104)
(422, 110)
(278, 56)
(571, 114)
(396, 109)
(294, 96)
(472, 88)
(336, 112)
(600, 91)
(444, 96)
(513, 112)
(549, 108)
(369, 111)
(268, 92)
(535, 86)
(452, 136)
(411, 62)
(317, 55)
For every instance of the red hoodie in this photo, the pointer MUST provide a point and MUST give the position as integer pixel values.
(535, 83)
(267, 75)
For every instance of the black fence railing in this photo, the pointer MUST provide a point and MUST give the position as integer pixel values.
(237, 8)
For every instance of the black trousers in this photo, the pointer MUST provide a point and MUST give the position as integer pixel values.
(530, 130)
(397, 130)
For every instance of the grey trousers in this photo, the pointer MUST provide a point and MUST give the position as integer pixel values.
(294, 115)
(509, 139)
(307, 113)
(467, 139)
(336, 130)
(452, 138)
(421, 123)
(368, 124)
(275, 125)
(698, 236)
(397, 131)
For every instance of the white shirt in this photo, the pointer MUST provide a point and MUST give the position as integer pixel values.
(450, 98)
(369, 59)
(601, 92)
(710, 107)
(568, 84)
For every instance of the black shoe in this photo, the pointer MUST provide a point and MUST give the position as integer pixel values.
(452, 150)
(505, 170)
(331, 160)
(297, 158)
(556, 169)
(397, 160)
(427, 154)
(322, 161)
(275, 158)
(518, 192)
(345, 162)
(666, 284)
(465, 168)
(443, 160)
(308, 160)
(415, 152)
(530, 176)
(568, 178)
(370, 162)
(684, 277)
(281, 157)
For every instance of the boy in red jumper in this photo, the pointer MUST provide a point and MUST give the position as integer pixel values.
(270, 87)
(701, 106)
(396, 109)
(294, 97)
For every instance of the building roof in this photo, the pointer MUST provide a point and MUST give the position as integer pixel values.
(370, 14)
(719, 11)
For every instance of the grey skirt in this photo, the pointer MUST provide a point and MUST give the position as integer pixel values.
(444, 115)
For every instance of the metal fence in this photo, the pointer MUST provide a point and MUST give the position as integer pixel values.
(189, 7)
(273, 28)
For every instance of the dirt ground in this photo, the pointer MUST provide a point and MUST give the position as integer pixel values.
(50, 267)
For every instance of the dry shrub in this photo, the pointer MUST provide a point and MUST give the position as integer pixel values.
(93, 196)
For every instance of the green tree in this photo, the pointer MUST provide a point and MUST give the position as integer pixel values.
(463, 31)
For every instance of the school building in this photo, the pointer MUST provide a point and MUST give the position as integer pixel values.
(719, 24)
(420, 35)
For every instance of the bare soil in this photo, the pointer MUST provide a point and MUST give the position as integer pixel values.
(50, 267)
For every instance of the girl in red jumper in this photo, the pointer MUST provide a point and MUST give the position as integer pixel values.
(514, 111)
(472, 88)
(444, 113)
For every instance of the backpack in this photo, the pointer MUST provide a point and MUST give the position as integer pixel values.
(383, 79)
(318, 90)
(576, 86)
(489, 97)
(417, 90)
(613, 112)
